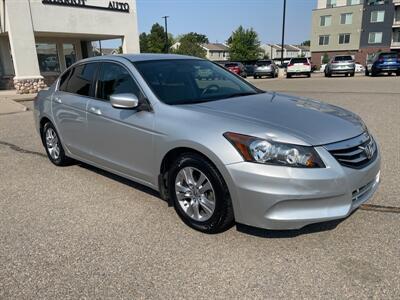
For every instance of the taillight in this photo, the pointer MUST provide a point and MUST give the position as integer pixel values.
(306, 64)
(335, 62)
(290, 65)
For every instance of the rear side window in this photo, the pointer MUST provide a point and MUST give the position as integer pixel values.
(115, 79)
(299, 60)
(64, 81)
(80, 81)
(343, 58)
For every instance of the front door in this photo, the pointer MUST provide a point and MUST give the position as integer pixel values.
(120, 139)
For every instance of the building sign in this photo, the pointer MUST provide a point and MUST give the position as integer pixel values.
(113, 5)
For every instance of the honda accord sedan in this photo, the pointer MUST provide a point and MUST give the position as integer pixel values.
(220, 150)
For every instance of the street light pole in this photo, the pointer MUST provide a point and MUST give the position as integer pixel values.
(283, 30)
(166, 33)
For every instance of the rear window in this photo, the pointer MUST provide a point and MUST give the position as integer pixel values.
(389, 55)
(264, 63)
(343, 58)
(81, 79)
(299, 60)
(231, 65)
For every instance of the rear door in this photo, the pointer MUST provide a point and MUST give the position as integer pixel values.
(120, 139)
(69, 105)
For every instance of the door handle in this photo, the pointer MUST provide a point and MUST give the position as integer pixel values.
(95, 110)
(57, 99)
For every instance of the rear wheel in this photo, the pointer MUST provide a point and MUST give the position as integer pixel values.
(255, 77)
(309, 75)
(54, 149)
(352, 74)
(366, 72)
(288, 75)
(201, 197)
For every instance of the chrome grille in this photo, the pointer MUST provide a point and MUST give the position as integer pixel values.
(354, 153)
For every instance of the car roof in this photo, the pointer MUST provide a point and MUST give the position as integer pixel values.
(142, 57)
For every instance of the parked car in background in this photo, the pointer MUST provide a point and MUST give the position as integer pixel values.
(237, 68)
(218, 151)
(383, 62)
(360, 68)
(265, 68)
(340, 64)
(298, 66)
(249, 68)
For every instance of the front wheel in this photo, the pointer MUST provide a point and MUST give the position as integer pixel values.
(54, 149)
(200, 195)
(366, 72)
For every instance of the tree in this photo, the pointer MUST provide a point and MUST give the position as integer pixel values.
(244, 45)
(143, 41)
(190, 44)
(325, 58)
(156, 39)
(306, 43)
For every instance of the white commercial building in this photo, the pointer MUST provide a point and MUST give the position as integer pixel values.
(40, 38)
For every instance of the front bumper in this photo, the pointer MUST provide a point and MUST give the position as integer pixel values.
(275, 197)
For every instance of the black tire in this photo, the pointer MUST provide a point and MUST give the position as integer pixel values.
(288, 75)
(62, 159)
(352, 74)
(373, 73)
(222, 218)
(255, 77)
(366, 72)
(309, 75)
(398, 73)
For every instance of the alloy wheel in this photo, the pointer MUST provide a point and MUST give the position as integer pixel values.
(195, 194)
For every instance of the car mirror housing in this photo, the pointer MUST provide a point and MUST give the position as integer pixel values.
(124, 100)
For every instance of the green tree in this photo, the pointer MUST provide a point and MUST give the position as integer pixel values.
(143, 41)
(306, 43)
(325, 58)
(244, 45)
(156, 39)
(190, 44)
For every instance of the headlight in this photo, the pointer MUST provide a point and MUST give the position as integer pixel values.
(257, 150)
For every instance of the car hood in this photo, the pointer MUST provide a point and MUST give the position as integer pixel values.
(314, 122)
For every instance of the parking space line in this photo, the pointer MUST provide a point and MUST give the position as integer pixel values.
(380, 208)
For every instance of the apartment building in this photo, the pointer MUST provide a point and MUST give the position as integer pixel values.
(356, 27)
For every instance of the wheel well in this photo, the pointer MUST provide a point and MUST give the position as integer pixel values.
(167, 161)
(43, 121)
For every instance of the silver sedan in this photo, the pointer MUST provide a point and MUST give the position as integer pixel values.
(217, 150)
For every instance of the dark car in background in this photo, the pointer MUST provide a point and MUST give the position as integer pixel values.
(383, 62)
(249, 68)
(237, 68)
(340, 64)
(265, 68)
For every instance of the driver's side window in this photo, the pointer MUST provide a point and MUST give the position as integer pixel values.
(115, 79)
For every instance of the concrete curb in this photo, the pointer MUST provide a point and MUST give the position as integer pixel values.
(8, 106)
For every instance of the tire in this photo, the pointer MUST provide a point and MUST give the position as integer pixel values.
(352, 74)
(255, 77)
(309, 75)
(326, 75)
(398, 73)
(366, 72)
(222, 216)
(288, 75)
(373, 73)
(52, 144)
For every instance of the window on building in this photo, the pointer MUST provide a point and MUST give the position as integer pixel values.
(330, 3)
(344, 38)
(346, 18)
(48, 57)
(69, 54)
(325, 21)
(377, 16)
(324, 40)
(115, 79)
(375, 37)
(81, 78)
(353, 2)
(377, 2)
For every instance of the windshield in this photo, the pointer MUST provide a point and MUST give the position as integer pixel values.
(298, 60)
(188, 81)
(389, 55)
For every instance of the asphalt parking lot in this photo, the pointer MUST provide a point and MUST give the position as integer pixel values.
(78, 232)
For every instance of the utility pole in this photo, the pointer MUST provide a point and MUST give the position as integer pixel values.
(283, 31)
(166, 50)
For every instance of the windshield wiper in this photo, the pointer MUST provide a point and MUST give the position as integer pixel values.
(241, 94)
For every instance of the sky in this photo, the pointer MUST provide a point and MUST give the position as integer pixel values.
(218, 18)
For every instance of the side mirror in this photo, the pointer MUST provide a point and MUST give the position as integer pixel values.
(124, 100)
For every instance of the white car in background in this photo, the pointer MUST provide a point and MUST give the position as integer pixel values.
(360, 68)
(298, 66)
